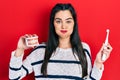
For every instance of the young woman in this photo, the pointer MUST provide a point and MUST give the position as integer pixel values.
(63, 57)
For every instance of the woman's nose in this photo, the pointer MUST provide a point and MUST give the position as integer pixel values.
(63, 26)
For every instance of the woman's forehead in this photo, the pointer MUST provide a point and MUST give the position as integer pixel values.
(63, 15)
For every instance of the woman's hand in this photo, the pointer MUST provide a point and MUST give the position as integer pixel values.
(104, 50)
(21, 46)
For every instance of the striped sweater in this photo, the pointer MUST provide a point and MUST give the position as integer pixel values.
(63, 65)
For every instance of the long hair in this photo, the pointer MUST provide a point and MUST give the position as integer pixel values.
(53, 40)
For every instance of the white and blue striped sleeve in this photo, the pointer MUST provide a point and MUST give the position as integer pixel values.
(93, 72)
(18, 69)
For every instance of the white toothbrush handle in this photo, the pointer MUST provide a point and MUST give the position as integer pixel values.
(106, 42)
(104, 57)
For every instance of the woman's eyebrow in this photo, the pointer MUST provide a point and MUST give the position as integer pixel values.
(65, 19)
(58, 19)
(69, 18)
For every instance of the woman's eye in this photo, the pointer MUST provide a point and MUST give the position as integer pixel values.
(58, 22)
(68, 21)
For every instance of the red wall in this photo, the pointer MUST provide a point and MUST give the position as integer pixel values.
(18, 17)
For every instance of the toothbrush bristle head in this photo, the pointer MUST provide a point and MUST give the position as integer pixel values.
(107, 30)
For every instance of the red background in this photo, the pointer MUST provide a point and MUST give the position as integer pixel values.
(18, 17)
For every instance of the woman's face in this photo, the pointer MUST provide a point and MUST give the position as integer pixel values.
(63, 23)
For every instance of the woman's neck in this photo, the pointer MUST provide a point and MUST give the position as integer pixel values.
(64, 43)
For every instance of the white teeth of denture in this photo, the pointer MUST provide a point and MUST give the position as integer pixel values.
(31, 41)
(106, 42)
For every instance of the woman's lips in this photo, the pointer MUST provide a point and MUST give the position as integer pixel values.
(63, 31)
